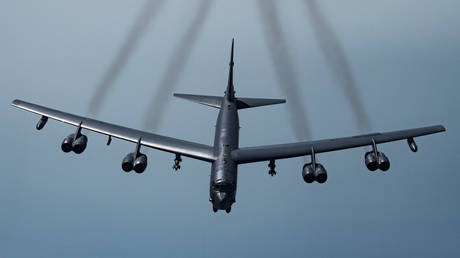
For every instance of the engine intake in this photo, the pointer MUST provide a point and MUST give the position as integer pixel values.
(131, 162)
(140, 163)
(314, 172)
(371, 160)
(66, 145)
(377, 160)
(79, 144)
(128, 162)
(320, 174)
(308, 173)
(384, 162)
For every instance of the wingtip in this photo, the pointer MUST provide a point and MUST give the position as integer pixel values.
(16, 102)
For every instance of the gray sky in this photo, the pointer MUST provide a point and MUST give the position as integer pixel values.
(406, 59)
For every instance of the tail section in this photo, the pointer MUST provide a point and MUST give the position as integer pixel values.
(212, 101)
(230, 92)
(242, 103)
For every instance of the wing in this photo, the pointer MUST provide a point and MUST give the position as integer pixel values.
(189, 149)
(290, 150)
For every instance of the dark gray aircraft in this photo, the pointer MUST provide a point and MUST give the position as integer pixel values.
(225, 155)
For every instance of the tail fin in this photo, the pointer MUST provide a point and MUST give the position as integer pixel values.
(230, 92)
(242, 103)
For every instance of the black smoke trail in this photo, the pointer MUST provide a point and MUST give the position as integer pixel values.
(338, 63)
(285, 73)
(148, 12)
(175, 67)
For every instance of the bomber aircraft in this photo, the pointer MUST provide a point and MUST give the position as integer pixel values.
(225, 155)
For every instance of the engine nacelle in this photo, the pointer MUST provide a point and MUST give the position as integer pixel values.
(371, 160)
(317, 173)
(140, 163)
(384, 162)
(308, 173)
(79, 144)
(128, 162)
(66, 145)
(320, 174)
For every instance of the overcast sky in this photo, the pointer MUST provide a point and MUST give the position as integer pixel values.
(405, 55)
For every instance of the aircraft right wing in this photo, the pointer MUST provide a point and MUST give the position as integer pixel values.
(291, 150)
(168, 144)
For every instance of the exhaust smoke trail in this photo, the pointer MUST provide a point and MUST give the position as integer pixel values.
(175, 67)
(285, 74)
(148, 12)
(338, 63)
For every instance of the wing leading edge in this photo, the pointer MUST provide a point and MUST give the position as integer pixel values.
(168, 144)
(291, 150)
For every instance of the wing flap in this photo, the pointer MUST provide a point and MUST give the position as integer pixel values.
(173, 145)
(291, 150)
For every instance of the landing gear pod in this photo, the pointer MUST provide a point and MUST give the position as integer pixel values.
(412, 145)
(41, 123)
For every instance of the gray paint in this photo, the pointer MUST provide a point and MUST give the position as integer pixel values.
(225, 155)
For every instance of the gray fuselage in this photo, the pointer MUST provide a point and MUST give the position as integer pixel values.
(224, 172)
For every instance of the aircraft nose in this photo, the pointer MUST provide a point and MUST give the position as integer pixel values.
(220, 196)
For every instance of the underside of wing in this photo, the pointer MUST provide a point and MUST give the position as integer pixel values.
(290, 150)
(173, 145)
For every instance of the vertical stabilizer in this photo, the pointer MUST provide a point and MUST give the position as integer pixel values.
(230, 92)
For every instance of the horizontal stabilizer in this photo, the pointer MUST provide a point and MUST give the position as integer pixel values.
(255, 102)
(212, 101)
(242, 103)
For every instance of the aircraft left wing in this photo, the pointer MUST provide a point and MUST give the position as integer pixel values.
(291, 150)
(168, 144)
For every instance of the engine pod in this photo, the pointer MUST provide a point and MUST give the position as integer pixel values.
(371, 160)
(79, 144)
(128, 162)
(66, 145)
(384, 162)
(308, 173)
(140, 163)
(320, 174)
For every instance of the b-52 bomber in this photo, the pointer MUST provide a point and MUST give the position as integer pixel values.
(225, 155)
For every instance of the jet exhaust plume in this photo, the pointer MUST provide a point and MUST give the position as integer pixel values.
(285, 73)
(175, 67)
(338, 63)
(148, 12)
